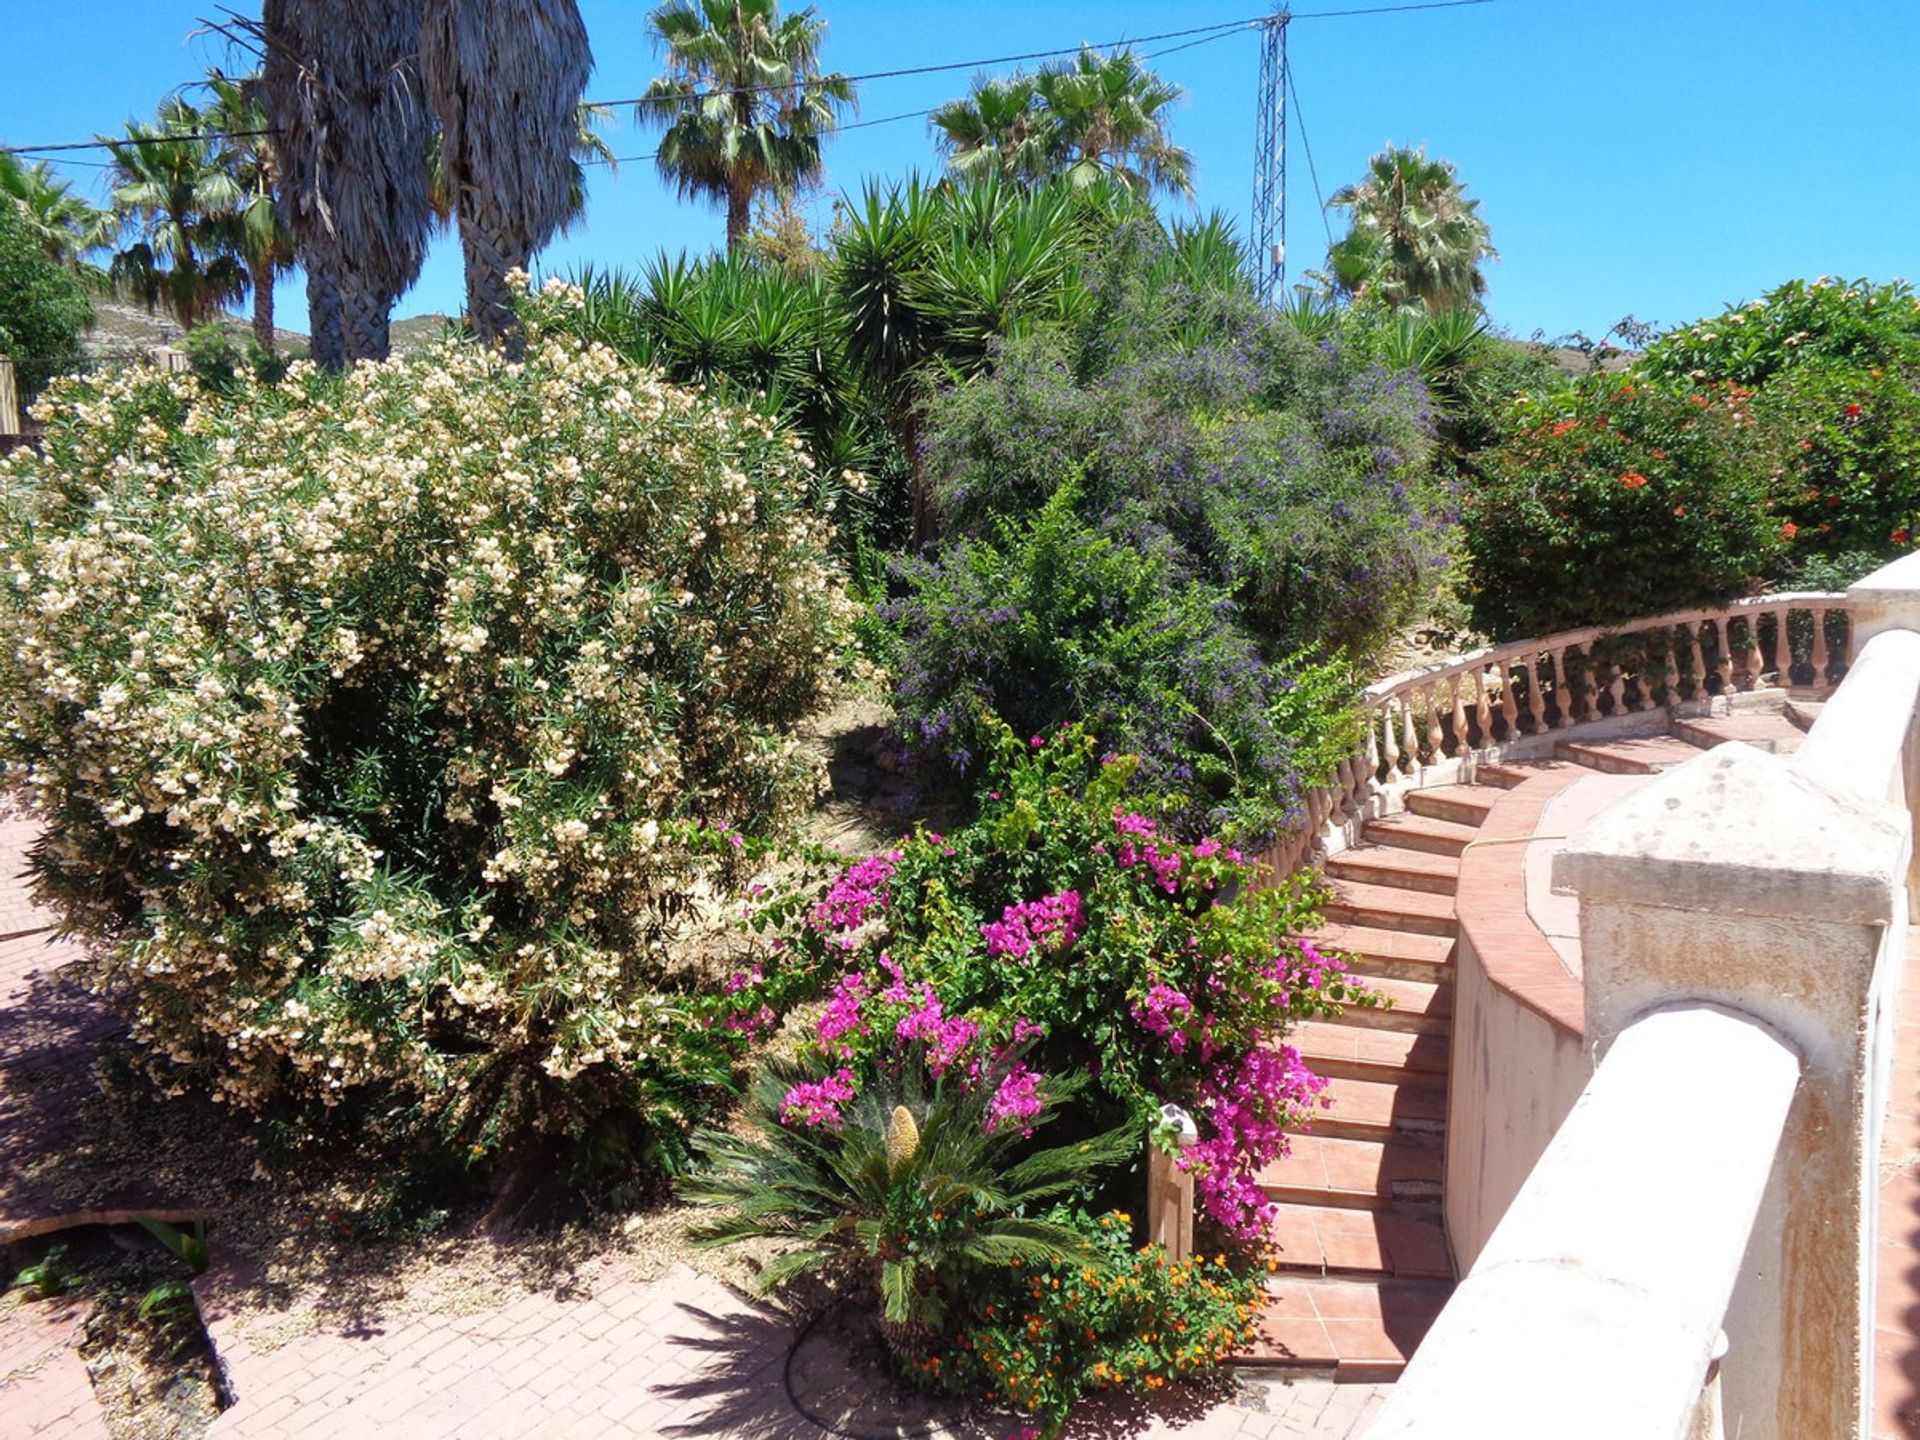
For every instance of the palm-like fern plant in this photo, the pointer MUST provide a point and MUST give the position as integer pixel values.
(914, 1191)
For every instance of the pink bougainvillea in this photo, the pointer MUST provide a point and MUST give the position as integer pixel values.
(817, 1102)
(1052, 922)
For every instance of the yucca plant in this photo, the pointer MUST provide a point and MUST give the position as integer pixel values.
(915, 1189)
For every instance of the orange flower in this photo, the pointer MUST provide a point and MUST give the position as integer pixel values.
(1680, 510)
(1633, 479)
(1564, 426)
(1789, 530)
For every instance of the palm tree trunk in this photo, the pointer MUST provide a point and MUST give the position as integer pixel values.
(739, 217)
(260, 270)
(491, 251)
(323, 311)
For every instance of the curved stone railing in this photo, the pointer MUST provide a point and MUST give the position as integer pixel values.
(1422, 727)
(1695, 1254)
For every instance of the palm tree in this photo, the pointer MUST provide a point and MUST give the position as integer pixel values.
(504, 78)
(1416, 240)
(1001, 128)
(744, 102)
(265, 243)
(341, 91)
(184, 201)
(1095, 115)
(590, 147)
(66, 227)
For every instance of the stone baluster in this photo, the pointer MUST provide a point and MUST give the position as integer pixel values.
(1509, 706)
(1536, 702)
(1389, 741)
(1436, 737)
(1644, 678)
(1777, 645)
(1846, 641)
(1695, 675)
(1617, 687)
(1669, 672)
(1370, 768)
(1819, 658)
(1723, 663)
(1462, 739)
(1756, 663)
(1482, 707)
(1409, 734)
(1562, 696)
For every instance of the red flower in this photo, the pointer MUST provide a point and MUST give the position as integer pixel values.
(1789, 530)
(1633, 479)
(1564, 426)
(1901, 536)
(1853, 412)
(1680, 510)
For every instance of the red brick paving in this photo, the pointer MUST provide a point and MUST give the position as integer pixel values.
(44, 1390)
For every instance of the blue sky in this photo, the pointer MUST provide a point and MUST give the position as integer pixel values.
(1653, 157)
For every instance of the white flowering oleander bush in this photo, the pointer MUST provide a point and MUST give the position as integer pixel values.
(383, 725)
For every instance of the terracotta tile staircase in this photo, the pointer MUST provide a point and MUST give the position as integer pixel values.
(1364, 1265)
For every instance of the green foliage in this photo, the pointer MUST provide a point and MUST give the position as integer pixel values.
(1042, 1337)
(1823, 324)
(1416, 241)
(918, 1207)
(418, 703)
(43, 306)
(189, 1247)
(221, 357)
(1612, 499)
(48, 1277)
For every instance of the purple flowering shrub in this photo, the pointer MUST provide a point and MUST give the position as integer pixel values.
(1063, 933)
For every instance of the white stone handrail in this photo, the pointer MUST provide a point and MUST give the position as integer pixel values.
(1420, 726)
(1595, 1311)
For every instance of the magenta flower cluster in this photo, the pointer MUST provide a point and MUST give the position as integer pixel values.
(859, 892)
(817, 1102)
(1137, 847)
(1248, 1103)
(1165, 1012)
(1016, 1101)
(1052, 922)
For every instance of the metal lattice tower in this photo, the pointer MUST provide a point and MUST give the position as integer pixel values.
(1270, 161)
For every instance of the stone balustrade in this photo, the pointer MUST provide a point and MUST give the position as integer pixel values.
(1695, 1253)
(1428, 727)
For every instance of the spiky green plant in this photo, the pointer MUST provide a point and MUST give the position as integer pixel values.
(915, 1220)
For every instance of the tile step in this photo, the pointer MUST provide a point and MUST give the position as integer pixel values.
(1358, 1330)
(1381, 1109)
(1408, 1005)
(1775, 734)
(1398, 869)
(1462, 804)
(1400, 954)
(1420, 832)
(1644, 755)
(1352, 1053)
(1355, 1174)
(1404, 1242)
(1386, 907)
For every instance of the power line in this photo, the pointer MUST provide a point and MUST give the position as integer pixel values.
(1125, 42)
(1300, 119)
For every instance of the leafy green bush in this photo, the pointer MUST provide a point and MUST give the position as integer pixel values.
(1614, 499)
(43, 307)
(1055, 621)
(1825, 323)
(384, 725)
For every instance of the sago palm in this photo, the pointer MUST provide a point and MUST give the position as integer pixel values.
(175, 188)
(266, 245)
(744, 102)
(504, 78)
(341, 90)
(1416, 241)
(913, 1192)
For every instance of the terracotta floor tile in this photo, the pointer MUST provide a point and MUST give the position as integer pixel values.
(1363, 1340)
(1415, 1245)
(1347, 1302)
(1304, 1340)
(1290, 1300)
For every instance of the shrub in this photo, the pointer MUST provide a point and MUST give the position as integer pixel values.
(1611, 500)
(1043, 1336)
(1054, 620)
(1293, 476)
(1853, 325)
(1067, 930)
(384, 725)
(43, 306)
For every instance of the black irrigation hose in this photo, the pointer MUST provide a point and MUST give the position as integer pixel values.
(933, 1427)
